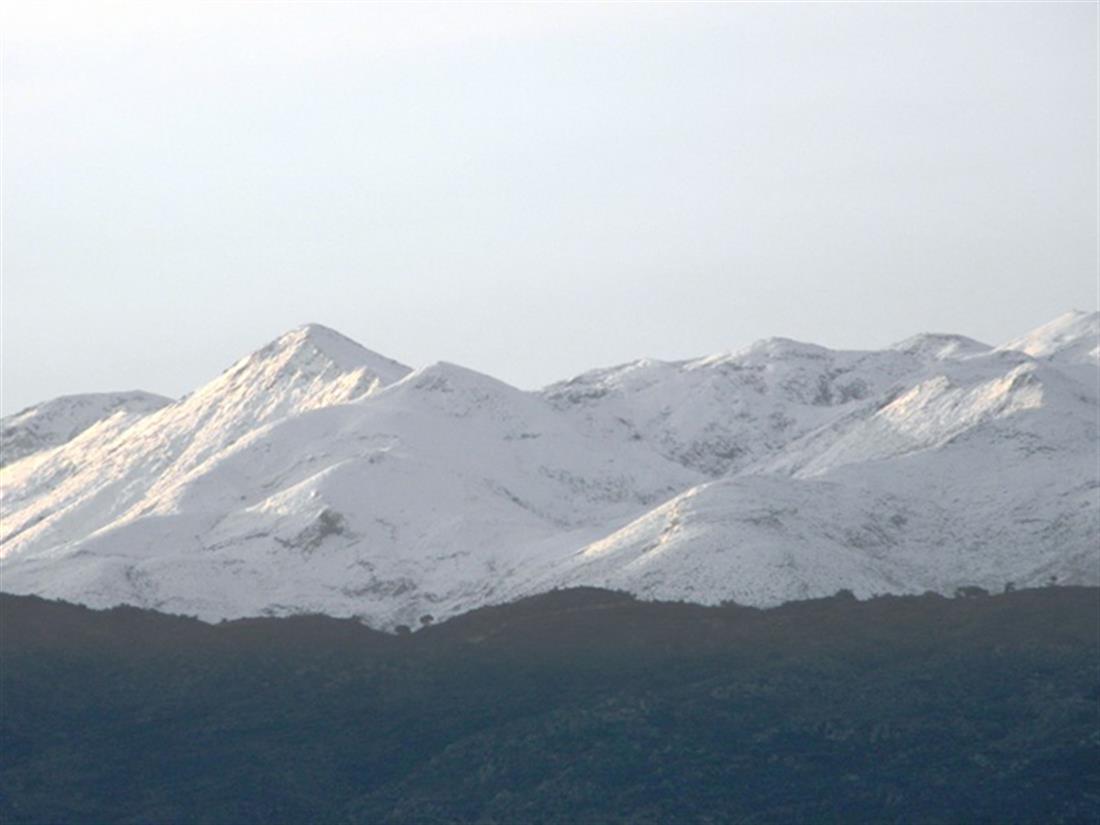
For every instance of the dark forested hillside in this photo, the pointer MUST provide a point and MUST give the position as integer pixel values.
(577, 706)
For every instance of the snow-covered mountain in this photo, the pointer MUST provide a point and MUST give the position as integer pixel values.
(1068, 339)
(723, 413)
(982, 472)
(314, 475)
(55, 422)
(110, 473)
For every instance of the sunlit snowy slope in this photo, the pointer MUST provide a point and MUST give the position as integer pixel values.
(47, 425)
(315, 475)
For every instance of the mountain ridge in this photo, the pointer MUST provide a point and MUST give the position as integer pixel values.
(316, 475)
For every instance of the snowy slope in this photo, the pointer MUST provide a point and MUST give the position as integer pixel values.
(984, 472)
(315, 475)
(762, 540)
(723, 413)
(66, 494)
(418, 499)
(54, 422)
(1070, 338)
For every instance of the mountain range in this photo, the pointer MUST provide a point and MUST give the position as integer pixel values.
(317, 476)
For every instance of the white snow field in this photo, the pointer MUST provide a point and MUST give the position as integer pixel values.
(317, 476)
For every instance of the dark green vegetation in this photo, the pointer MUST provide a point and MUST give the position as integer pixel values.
(580, 706)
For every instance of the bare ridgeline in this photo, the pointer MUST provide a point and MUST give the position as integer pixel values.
(601, 549)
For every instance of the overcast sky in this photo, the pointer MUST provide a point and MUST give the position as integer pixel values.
(533, 190)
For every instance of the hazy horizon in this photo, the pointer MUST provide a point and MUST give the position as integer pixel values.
(534, 190)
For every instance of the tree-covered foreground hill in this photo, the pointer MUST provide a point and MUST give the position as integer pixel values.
(580, 706)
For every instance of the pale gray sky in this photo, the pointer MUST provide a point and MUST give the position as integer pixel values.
(533, 190)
